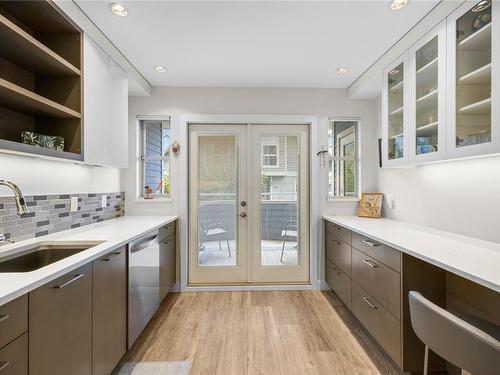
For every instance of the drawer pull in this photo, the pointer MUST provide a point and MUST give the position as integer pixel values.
(337, 242)
(4, 317)
(336, 228)
(4, 365)
(111, 256)
(370, 263)
(67, 282)
(371, 243)
(371, 304)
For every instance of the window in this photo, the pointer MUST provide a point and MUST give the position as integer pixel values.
(344, 162)
(269, 152)
(155, 156)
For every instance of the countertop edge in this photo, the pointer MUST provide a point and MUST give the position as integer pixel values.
(108, 246)
(486, 283)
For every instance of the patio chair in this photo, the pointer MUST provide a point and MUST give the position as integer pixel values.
(210, 229)
(289, 233)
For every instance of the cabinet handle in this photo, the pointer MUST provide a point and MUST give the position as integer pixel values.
(371, 243)
(4, 317)
(336, 228)
(370, 263)
(111, 256)
(67, 282)
(371, 304)
(4, 365)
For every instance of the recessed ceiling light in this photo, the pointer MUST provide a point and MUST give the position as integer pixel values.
(394, 71)
(341, 70)
(398, 4)
(482, 5)
(160, 69)
(118, 9)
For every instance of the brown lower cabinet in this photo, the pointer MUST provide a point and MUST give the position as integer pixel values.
(60, 325)
(109, 338)
(14, 357)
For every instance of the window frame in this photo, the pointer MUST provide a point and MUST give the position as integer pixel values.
(263, 155)
(142, 157)
(332, 159)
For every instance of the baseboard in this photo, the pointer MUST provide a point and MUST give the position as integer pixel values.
(234, 288)
(322, 285)
(176, 288)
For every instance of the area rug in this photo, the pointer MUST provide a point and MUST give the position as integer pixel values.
(154, 368)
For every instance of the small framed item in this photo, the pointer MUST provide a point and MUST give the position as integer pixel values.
(370, 205)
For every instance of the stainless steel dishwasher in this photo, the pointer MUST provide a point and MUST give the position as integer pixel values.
(143, 283)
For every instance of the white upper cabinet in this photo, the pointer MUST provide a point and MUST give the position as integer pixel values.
(427, 90)
(395, 113)
(105, 109)
(473, 80)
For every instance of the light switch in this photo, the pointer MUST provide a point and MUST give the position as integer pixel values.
(73, 204)
(104, 201)
(390, 200)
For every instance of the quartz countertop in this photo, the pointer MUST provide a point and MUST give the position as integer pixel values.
(113, 234)
(474, 259)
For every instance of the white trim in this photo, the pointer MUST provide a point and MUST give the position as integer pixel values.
(314, 173)
(236, 288)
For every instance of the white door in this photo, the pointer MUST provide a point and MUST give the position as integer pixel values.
(249, 212)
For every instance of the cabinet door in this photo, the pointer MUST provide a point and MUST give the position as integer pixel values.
(427, 124)
(473, 80)
(118, 116)
(395, 113)
(60, 325)
(167, 265)
(109, 311)
(96, 107)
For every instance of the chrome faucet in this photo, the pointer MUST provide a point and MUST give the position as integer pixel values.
(20, 202)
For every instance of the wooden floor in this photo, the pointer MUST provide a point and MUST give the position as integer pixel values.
(236, 333)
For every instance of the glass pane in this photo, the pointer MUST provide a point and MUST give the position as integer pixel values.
(342, 173)
(156, 148)
(395, 112)
(427, 98)
(473, 62)
(217, 198)
(156, 176)
(279, 205)
(157, 138)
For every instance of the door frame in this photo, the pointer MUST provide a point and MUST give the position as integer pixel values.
(315, 189)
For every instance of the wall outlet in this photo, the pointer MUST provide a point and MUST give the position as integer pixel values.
(73, 204)
(390, 200)
(104, 201)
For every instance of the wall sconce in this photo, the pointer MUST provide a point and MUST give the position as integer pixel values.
(176, 147)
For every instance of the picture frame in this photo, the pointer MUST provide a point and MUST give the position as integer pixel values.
(370, 205)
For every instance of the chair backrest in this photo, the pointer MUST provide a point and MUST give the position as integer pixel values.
(453, 338)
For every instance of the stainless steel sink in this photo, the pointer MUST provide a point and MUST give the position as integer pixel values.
(42, 254)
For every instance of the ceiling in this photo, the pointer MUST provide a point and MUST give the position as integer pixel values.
(255, 43)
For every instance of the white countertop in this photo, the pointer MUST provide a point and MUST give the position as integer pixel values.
(114, 233)
(469, 257)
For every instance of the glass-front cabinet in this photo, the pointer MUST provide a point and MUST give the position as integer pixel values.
(394, 113)
(426, 133)
(473, 45)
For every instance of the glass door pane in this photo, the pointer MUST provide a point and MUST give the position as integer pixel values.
(395, 112)
(217, 200)
(473, 76)
(426, 94)
(279, 200)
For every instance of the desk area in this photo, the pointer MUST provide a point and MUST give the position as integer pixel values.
(372, 264)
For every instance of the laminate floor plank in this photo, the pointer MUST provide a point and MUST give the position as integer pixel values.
(261, 333)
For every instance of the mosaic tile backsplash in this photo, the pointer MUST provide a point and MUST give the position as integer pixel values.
(51, 213)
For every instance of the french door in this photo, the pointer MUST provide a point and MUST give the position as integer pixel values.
(249, 204)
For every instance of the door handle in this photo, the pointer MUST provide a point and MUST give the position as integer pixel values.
(111, 256)
(371, 304)
(243, 203)
(4, 364)
(67, 282)
(4, 317)
(370, 263)
(243, 214)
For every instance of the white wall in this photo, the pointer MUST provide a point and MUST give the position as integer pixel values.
(178, 102)
(39, 176)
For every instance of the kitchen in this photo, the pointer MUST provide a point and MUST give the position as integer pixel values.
(170, 194)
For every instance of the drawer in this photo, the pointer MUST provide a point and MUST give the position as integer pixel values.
(340, 233)
(382, 282)
(14, 357)
(13, 320)
(166, 231)
(381, 324)
(339, 282)
(339, 253)
(384, 254)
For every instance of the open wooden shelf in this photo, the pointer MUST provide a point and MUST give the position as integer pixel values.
(29, 149)
(24, 50)
(481, 76)
(482, 107)
(25, 101)
(479, 40)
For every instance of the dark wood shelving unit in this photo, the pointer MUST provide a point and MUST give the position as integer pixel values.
(40, 77)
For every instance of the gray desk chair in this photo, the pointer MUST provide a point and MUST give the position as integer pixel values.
(468, 342)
